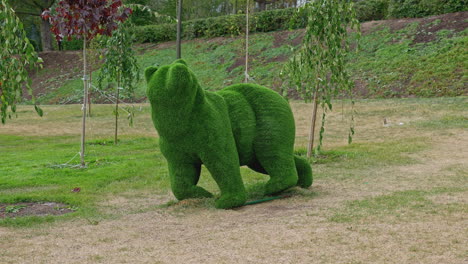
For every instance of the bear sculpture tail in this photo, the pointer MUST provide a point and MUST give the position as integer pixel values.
(304, 171)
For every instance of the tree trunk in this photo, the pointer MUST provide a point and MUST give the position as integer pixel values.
(117, 110)
(85, 100)
(90, 91)
(46, 36)
(312, 127)
(179, 29)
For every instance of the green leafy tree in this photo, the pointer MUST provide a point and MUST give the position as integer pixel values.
(318, 69)
(35, 8)
(274, 4)
(195, 9)
(145, 14)
(238, 6)
(16, 55)
(120, 66)
(262, 4)
(164, 7)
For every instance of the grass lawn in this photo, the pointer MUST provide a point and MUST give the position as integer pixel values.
(403, 185)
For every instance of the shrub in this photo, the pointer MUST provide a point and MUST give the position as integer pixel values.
(158, 33)
(276, 20)
(281, 19)
(381, 9)
(230, 25)
(421, 8)
(371, 10)
(37, 47)
(73, 44)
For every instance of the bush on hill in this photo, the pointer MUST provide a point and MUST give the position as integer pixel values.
(281, 19)
(230, 25)
(371, 10)
(422, 8)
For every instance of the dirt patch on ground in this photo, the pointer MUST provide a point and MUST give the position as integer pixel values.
(240, 61)
(369, 27)
(58, 67)
(33, 209)
(279, 58)
(427, 28)
(145, 47)
(360, 88)
(283, 37)
(164, 45)
(455, 22)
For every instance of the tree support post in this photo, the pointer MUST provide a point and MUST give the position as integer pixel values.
(179, 29)
(246, 73)
(85, 101)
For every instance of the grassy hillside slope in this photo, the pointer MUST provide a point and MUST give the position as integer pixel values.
(422, 57)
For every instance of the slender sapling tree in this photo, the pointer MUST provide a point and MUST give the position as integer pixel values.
(120, 65)
(318, 68)
(86, 19)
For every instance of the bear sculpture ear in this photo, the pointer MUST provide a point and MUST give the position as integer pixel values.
(182, 61)
(149, 72)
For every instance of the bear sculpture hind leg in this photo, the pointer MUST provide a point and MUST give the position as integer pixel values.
(304, 172)
(282, 172)
(303, 168)
(274, 146)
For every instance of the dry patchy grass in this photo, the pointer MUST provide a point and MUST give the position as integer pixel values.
(396, 195)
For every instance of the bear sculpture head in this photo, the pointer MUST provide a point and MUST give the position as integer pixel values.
(173, 85)
(174, 93)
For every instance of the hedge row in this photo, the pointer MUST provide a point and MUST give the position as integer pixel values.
(230, 25)
(422, 8)
(382, 9)
(280, 19)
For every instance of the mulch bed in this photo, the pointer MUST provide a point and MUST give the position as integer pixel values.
(33, 209)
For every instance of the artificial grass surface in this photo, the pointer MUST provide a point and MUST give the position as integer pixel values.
(243, 124)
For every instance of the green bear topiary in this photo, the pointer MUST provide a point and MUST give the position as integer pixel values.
(243, 124)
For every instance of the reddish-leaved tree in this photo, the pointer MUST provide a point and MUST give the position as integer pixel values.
(86, 19)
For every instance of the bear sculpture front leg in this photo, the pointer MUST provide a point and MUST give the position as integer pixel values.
(184, 178)
(223, 165)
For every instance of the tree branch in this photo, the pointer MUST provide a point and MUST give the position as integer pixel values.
(27, 13)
